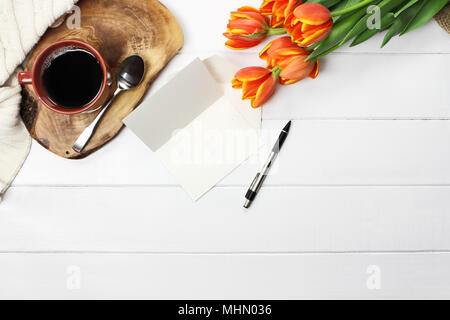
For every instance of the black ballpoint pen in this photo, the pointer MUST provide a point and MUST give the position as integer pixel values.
(261, 176)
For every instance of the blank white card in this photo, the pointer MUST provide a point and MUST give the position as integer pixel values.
(198, 126)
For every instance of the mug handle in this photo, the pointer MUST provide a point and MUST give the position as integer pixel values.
(25, 77)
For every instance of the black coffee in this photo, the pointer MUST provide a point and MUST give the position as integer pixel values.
(73, 78)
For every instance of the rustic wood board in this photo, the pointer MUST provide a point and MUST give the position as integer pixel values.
(117, 29)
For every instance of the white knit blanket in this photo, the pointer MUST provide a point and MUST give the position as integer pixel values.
(22, 23)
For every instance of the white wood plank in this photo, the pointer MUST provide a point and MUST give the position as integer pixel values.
(369, 86)
(204, 21)
(316, 153)
(287, 219)
(134, 276)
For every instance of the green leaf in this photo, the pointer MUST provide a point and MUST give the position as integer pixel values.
(325, 3)
(386, 21)
(385, 6)
(406, 6)
(313, 46)
(337, 33)
(357, 6)
(337, 5)
(402, 21)
(346, 4)
(343, 5)
(429, 10)
(326, 52)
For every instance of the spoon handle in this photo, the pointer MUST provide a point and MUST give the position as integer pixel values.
(87, 134)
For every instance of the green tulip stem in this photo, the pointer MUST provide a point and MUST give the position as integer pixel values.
(277, 31)
(276, 72)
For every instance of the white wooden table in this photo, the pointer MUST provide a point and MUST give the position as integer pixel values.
(358, 206)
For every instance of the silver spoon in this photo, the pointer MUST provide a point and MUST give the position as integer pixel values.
(129, 76)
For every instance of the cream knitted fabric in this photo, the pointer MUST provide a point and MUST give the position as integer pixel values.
(22, 23)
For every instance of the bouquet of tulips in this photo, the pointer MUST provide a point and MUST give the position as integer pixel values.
(313, 29)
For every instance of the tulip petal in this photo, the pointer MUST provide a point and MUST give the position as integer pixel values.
(308, 27)
(315, 72)
(265, 92)
(285, 82)
(250, 88)
(312, 13)
(283, 63)
(250, 26)
(297, 69)
(236, 84)
(250, 15)
(264, 52)
(283, 42)
(267, 7)
(296, 33)
(281, 51)
(240, 45)
(289, 21)
(251, 73)
(317, 36)
(276, 21)
(235, 32)
(290, 7)
(279, 7)
(248, 9)
(318, 29)
(254, 39)
(284, 52)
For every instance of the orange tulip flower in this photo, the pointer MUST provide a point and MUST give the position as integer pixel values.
(289, 58)
(309, 23)
(279, 10)
(297, 69)
(247, 28)
(257, 83)
(275, 50)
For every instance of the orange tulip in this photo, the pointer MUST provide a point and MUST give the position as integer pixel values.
(247, 28)
(309, 23)
(279, 9)
(289, 58)
(257, 84)
(274, 51)
(297, 69)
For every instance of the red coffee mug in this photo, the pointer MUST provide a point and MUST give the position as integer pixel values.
(35, 76)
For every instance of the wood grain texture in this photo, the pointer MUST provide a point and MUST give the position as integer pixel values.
(117, 29)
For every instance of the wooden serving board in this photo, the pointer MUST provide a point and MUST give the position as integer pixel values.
(117, 29)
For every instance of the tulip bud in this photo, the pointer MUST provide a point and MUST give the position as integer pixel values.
(247, 28)
(309, 23)
(290, 59)
(257, 84)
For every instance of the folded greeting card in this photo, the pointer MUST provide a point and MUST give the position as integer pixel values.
(198, 126)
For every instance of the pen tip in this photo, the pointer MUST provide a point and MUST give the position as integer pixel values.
(287, 127)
